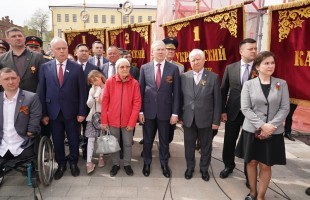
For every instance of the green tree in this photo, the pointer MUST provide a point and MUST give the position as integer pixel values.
(39, 22)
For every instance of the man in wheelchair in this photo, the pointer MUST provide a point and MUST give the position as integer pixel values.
(20, 115)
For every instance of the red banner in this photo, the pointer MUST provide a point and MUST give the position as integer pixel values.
(87, 37)
(217, 33)
(136, 38)
(289, 41)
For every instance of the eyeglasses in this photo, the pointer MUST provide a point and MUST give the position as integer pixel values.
(124, 67)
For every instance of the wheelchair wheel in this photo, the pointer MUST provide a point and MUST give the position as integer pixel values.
(45, 161)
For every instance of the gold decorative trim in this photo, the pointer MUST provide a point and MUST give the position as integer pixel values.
(99, 35)
(174, 29)
(291, 19)
(70, 37)
(289, 5)
(143, 31)
(226, 20)
(113, 34)
(300, 102)
(205, 14)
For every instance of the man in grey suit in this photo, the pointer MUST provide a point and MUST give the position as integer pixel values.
(160, 87)
(108, 69)
(234, 76)
(98, 59)
(201, 112)
(25, 62)
(23, 112)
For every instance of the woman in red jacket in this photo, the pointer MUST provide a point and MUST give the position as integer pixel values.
(121, 105)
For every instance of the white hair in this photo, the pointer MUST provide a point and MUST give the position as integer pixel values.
(121, 60)
(56, 39)
(196, 52)
(158, 43)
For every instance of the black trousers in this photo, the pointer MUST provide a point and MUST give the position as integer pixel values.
(9, 157)
(232, 130)
(289, 119)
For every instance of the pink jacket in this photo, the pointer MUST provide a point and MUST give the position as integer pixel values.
(121, 102)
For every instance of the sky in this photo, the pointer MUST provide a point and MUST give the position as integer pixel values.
(21, 10)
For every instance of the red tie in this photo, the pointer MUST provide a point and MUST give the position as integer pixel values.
(158, 75)
(98, 63)
(60, 74)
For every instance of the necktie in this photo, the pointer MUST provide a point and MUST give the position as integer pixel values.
(113, 69)
(158, 75)
(60, 74)
(196, 78)
(98, 62)
(245, 75)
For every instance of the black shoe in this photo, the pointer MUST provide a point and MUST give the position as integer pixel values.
(141, 154)
(114, 170)
(308, 191)
(205, 175)
(75, 171)
(250, 197)
(166, 171)
(226, 172)
(146, 170)
(188, 174)
(289, 136)
(141, 141)
(128, 170)
(59, 172)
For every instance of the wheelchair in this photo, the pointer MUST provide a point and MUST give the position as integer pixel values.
(40, 166)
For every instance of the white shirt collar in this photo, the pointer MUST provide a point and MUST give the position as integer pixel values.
(200, 72)
(243, 63)
(14, 97)
(64, 63)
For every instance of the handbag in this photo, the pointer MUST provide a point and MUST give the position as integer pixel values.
(91, 131)
(96, 119)
(107, 144)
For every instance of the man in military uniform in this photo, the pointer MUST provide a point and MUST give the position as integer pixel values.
(171, 46)
(34, 43)
(4, 47)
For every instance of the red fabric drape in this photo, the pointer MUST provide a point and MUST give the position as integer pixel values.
(136, 38)
(289, 41)
(217, 33)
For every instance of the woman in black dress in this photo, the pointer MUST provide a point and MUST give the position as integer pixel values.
(265, 105)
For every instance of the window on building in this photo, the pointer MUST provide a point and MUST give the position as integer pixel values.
(74, 18)
(149, 18)
(132, 19)
(58, 17)
(139, 19)
(125, 19)
(59, 33)
(112, 19)
(66, 17)
(104, 19)
(95, 18)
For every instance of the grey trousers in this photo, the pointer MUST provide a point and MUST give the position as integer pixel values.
(127, 145)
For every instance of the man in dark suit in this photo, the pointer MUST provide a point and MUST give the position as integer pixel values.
(22, 111)
(82, 53)
(160, 87)
(234, 76)
(63, 97)
(98, 50)
(108, 69)
(25, 62)
(201, 112)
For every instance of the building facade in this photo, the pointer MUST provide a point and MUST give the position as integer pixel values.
(69, 17)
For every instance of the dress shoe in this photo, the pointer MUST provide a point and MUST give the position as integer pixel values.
(128, 170)
(250, 197)
(166, 171)
(90, 167)
(59, 172)
(226, 172)
(188, 174)
(114, 170)
(75, 171)
(141, 154)
(308, 191)
(146, 170)
(289, 136)
(141, 141)
(205, 175)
